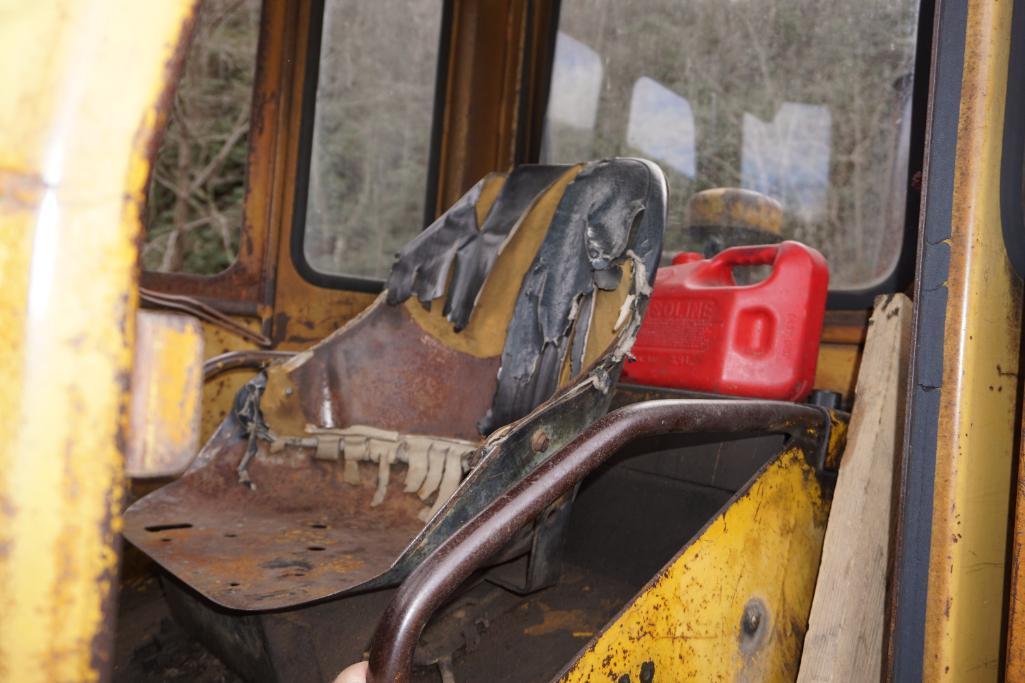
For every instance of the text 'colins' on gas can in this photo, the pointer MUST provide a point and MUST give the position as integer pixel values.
(705, 332)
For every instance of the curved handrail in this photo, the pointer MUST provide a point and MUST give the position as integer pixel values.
(427, 587)
(233, 360)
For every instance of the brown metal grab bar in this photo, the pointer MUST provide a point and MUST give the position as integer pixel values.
(427, 587)
(233, 360)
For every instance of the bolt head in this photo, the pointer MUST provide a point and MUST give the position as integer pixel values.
(752, 619)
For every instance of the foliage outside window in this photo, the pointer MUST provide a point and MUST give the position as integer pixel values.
(807, 101)
(194, 209)
(371, 134)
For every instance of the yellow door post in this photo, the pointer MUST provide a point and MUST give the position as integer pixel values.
(81, 80)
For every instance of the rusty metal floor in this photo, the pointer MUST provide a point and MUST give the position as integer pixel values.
(532, 636)
(489, 633)
(538, 634)
(302, 534)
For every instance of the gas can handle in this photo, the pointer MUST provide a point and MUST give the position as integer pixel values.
(718, 270)
(754, 255)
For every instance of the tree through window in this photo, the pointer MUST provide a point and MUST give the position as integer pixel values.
(194, 209)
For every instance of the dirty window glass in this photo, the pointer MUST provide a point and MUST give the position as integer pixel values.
(194, 208)
(371, 133)
(807, 102)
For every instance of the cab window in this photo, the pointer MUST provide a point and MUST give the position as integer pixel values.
(807, 102)
(197, 187)
(371, 135)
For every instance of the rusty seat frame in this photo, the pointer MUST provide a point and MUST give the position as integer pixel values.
(298, 534)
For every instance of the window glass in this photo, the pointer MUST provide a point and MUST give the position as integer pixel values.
(806, 101)
(371, 133)
(194, 208)
(661, 125)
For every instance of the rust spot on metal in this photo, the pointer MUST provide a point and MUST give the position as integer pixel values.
(556, 620)
(233, 544)
(382, 369)
(539, 441)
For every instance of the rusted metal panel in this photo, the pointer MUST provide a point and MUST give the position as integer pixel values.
(274, 463)
(297, 536)
(82, 84)
(167, 387)
(220, 532)
(843, 336)
(382, 370)
(845, 327)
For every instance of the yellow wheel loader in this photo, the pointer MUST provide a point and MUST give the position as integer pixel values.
(314, 313)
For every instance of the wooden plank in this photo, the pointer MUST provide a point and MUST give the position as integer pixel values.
(845, 631)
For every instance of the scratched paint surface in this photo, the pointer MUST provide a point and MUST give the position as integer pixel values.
(82, 80)
(977, 424)
(686, 624)
(167, 388)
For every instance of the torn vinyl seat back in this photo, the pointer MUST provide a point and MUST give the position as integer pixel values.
(502, 327)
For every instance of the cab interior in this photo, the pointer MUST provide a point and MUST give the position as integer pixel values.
(307, 142)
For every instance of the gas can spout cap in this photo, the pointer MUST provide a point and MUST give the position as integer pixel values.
(687, 257)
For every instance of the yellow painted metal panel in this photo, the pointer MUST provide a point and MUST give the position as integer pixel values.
(219, 393)
(81, 79)
(837, 368)
(976, 427)
(167, 391)
(734, 604)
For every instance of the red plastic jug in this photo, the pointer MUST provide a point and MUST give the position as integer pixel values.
(705, 332)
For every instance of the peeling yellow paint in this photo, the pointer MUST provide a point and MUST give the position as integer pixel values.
(686, 623)
(81, 81)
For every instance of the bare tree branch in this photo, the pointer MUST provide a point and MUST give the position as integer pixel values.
(239, 128)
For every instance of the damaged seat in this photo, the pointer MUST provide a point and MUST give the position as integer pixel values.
(499, 334)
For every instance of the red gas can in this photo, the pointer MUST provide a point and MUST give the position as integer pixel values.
(705, 332)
